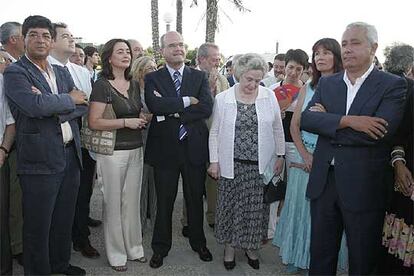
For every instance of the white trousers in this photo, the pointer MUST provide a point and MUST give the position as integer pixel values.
(121, 176)
(290, 149)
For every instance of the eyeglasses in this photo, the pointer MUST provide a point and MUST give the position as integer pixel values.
(44, 36)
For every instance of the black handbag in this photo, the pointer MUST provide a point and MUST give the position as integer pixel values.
(274, 191)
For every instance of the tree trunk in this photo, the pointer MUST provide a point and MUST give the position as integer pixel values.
(155, 30)
(179, 26)
(211, 20)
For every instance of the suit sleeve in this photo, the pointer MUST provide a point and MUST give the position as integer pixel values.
(321, 123)
(160, 106)
(18, 88)
(203, 109)
(390, 109)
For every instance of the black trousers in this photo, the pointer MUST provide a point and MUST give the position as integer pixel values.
(6, 264)
(48, 211)
(80, 229)
(363, 232)
(166, 185)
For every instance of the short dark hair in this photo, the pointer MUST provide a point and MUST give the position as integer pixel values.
(78, 46)
(58, 25)
(329, 44)
(37, 21)
(297, 55)
(107, 51)
(89, 51)
(280, 57)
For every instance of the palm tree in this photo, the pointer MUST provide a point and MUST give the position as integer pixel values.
(155, 29)
(212, 16)
(179, 26)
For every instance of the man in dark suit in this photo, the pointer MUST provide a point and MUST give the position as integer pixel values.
(179, 97)
(355, 113)
(46, 108)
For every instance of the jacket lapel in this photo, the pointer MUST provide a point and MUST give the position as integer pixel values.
(36, 74)
(59, 81)
(167, 83)
(368, 88)
(186, 81)
(337, 96)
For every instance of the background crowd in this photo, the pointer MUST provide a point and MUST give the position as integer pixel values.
(336, 128)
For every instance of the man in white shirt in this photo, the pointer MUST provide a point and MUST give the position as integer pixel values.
(278, 71)
(355, 113)
(7, 133)
(13, 48)
(63, 47)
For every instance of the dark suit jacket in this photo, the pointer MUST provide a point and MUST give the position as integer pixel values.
(162, 142)
(40, 148)
(230, 80)
(360, 161)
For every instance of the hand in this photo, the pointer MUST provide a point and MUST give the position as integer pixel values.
(403, 178)
(36, 91)
(79, 97)
(279, 166)
(214, 170)
(297, 165)
(373, 126)
(157, 94)
(194, 100)
(317, 108)
(134, 123)
(308, 159)
(146, 116)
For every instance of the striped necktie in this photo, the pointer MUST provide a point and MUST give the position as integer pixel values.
(182, 132)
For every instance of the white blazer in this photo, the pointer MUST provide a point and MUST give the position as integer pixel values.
(271, 139)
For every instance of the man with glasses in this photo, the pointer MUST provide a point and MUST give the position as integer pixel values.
(180, 99)
(46, 106)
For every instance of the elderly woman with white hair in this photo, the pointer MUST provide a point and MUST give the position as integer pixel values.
(245, 135)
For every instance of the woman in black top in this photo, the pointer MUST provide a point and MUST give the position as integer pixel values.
(121, 172)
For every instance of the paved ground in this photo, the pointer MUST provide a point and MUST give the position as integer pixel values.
(181, 259)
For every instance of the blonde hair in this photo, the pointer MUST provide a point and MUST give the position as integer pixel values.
(138, 67)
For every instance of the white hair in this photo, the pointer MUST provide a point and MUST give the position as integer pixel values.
(370, 31)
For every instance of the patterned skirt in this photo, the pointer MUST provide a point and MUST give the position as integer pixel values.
(241, 216)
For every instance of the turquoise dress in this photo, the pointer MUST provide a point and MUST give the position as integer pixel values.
(293, 230)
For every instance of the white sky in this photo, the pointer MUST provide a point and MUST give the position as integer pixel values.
(294, 23)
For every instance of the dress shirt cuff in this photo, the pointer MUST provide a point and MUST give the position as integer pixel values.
(186, 101)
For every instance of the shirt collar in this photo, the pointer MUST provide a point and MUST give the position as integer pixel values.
(49, 66)
(53, 60)
(361, 79)
(172, 70)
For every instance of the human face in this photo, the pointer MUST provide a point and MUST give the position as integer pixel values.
(95, 58)
(137, 49)
(121, 56)
(64, 43)
(279, 68)
(78, 57)
(211, 61)
(293, 72)
(38, 42)
(324, 60)
(174, 51)
(357, 53)
(18, 41)
(250, 81)
(150, 67)
(4, 61)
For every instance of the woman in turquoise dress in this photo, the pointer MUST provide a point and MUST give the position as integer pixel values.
(293, 230)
